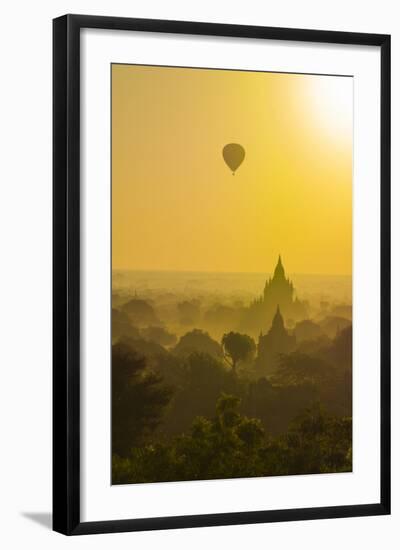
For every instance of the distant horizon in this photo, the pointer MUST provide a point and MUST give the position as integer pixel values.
(205, 271)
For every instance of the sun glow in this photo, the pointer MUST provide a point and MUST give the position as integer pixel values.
(331, 100)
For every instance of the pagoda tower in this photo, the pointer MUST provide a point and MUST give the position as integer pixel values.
(277, 341)
(279, 290)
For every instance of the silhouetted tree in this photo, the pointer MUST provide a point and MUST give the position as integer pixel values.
(295, 369)
(332, 325)
(198, 379)
(319, 443)
(159, 335)
(140, 312)
(314, 347)
(197, 341)
(121, 325)
(276, 405)
(307, 330)
(237, 347)
(225, 446)
(340, 351)
(138, 400)
(145, 348)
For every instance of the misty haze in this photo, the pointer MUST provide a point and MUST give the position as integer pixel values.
(221, 368)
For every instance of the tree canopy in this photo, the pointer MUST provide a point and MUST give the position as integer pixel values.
(197, 341)
(231, 445)
(237, 347)
(138, 399)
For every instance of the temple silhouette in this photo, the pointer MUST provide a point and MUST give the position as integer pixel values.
(278, 292)
(277, 341)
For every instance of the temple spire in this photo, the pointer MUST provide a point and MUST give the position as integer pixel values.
(277, 322)
(279, 270)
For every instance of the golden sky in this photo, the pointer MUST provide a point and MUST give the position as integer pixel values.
(176, 204)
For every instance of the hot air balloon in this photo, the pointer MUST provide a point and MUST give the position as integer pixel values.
(233, 154)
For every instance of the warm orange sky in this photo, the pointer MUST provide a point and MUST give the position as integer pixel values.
(176, 205)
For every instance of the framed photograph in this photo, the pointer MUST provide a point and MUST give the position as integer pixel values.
(221, 274)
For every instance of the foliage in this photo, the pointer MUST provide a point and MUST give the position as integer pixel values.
(238, 347)
(221, 447)
(296, 369)
(232, 445)
(318, 443)
(138, 399)
(307, 330)
(121, 325)
(140, 312)
(340, 350)
(332, 325)
(159, 335)
(198, 380)
(147, 349)
(182, 414)
(197, 341)
(275, 405)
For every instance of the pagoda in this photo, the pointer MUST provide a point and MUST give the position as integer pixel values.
(277, 341)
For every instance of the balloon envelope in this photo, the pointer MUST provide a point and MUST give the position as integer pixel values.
(233, 154)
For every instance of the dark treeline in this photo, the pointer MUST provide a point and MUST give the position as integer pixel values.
(202, 409)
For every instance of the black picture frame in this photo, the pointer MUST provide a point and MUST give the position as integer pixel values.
(66, 273)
